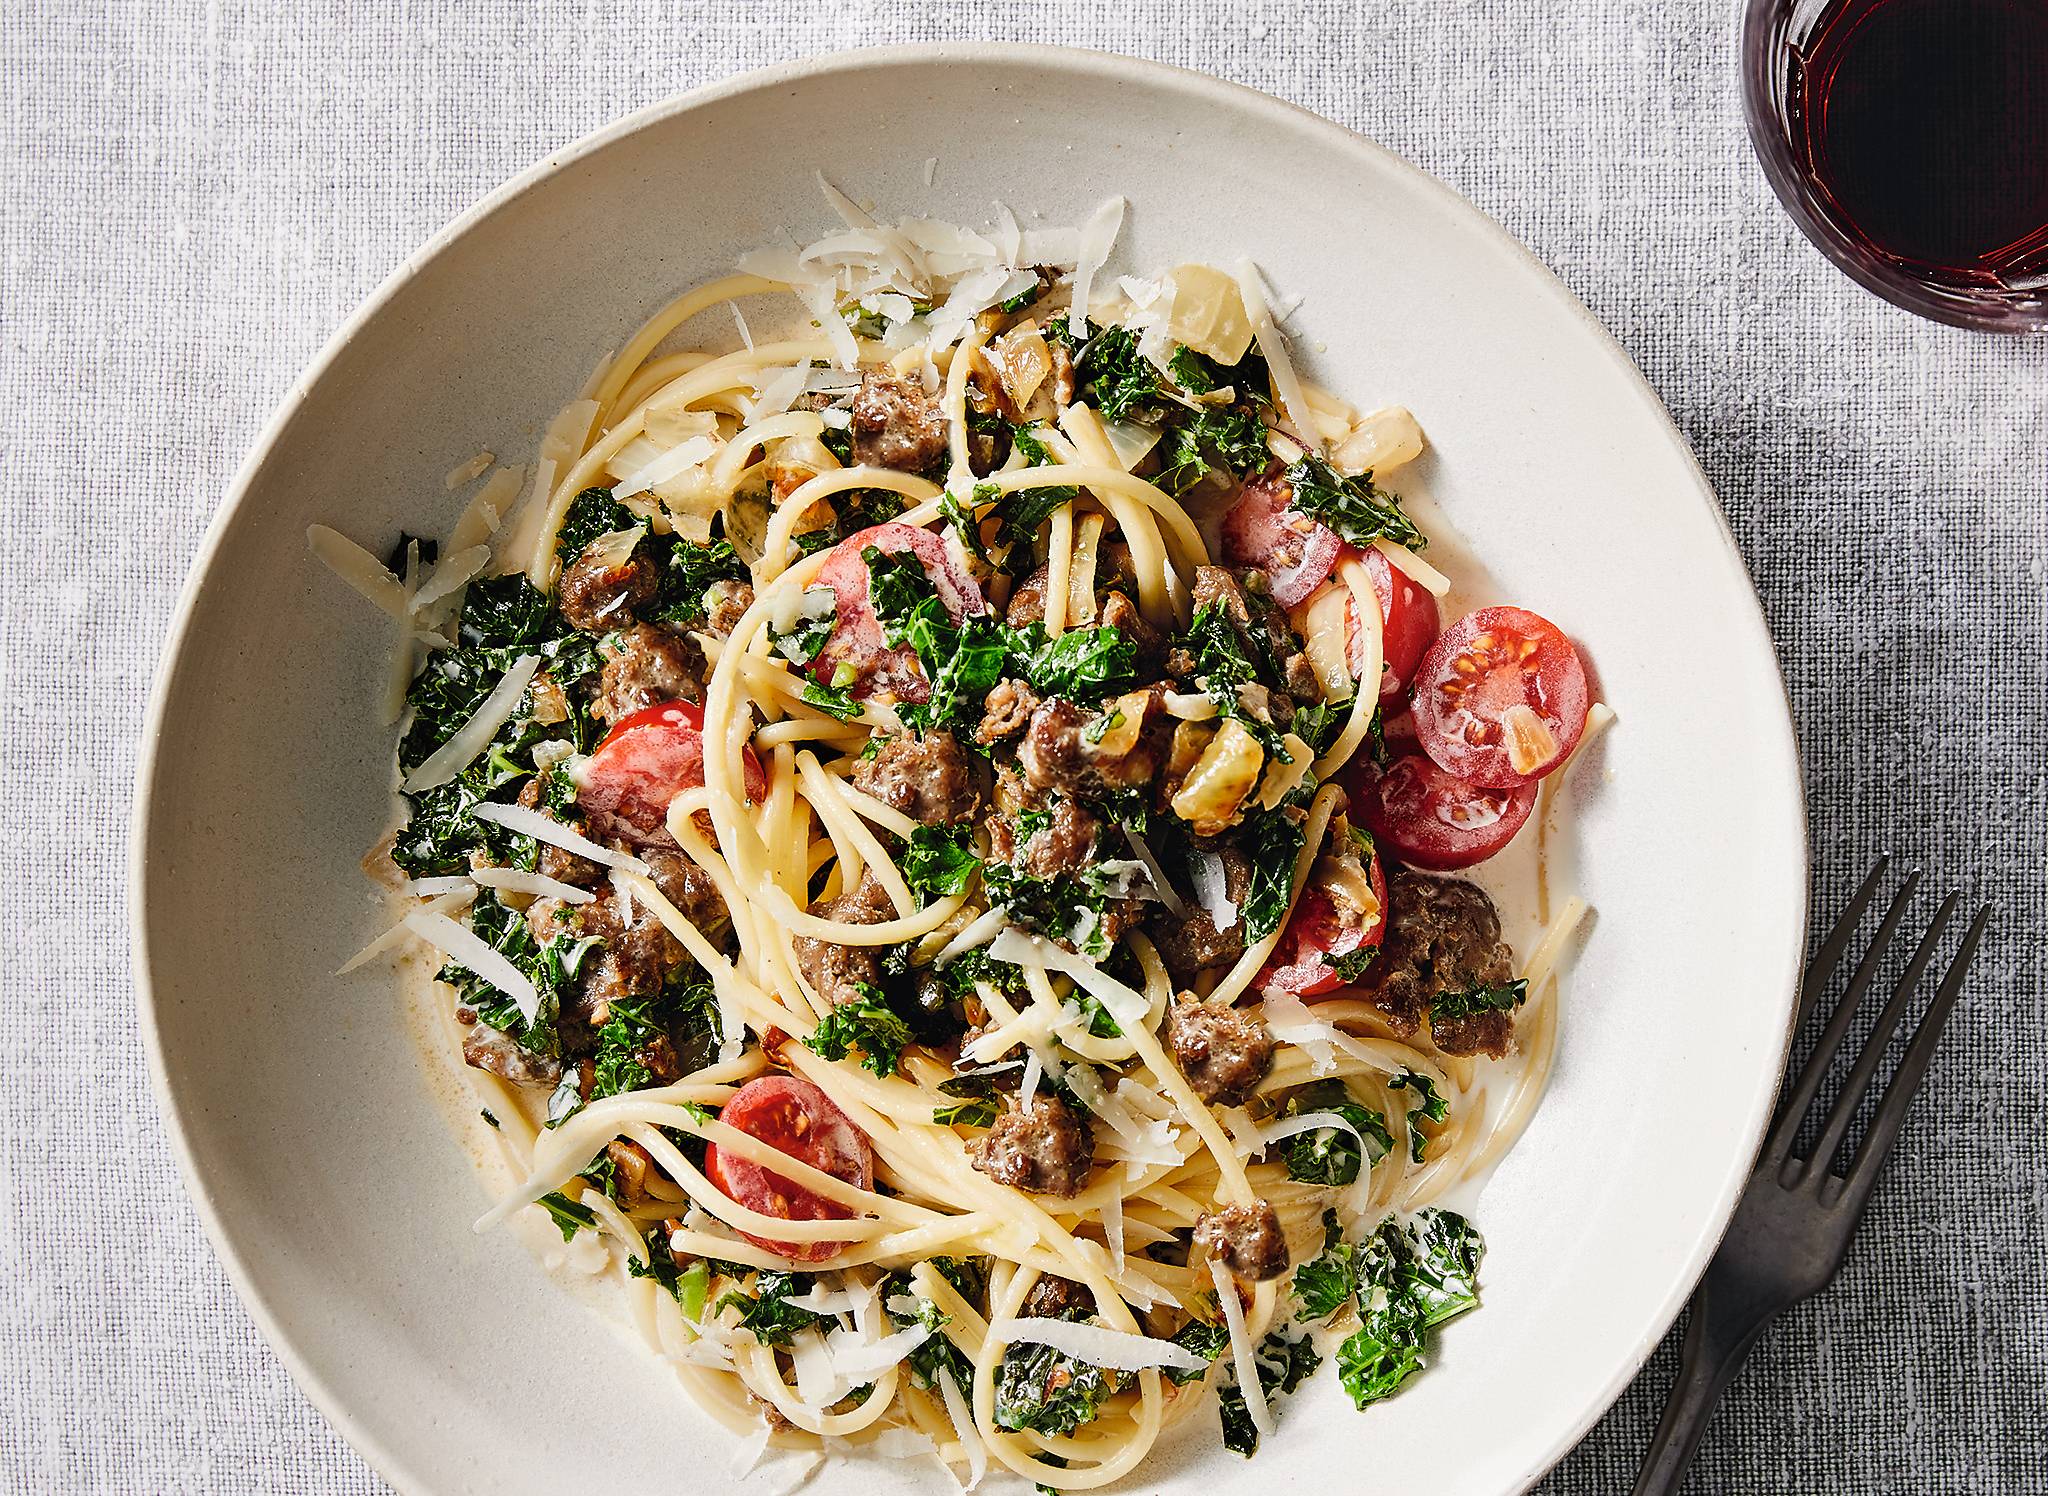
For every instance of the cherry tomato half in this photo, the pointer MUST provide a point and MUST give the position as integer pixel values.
(1430, 818)
(1341, 911)
(792, 1116)
(856, 644)
(644, 762)
(1408, 622)
(1296, 553)
(1500, 699)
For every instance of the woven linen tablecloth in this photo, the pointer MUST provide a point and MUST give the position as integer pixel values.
(195, 195)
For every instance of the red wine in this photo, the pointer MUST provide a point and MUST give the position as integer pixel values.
(1923, 124)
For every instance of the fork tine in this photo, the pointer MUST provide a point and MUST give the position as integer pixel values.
(1853, 1192)
(1821, 1160)
(1779, 1148)
(1829, 956)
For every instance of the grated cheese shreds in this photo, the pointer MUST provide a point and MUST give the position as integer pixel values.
(362, 571)
(466, 949)
(1241, 1350)
(514, 881)
(454, 899)
(674, 461)
(468, 472)
(455, 572)
(474, 736)
(1118, 1350)
(545, 828)
(1273, 346)
(1098, 238)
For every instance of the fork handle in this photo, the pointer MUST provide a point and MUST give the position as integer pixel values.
(1718, 1338)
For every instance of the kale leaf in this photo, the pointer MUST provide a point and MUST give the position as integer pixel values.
(1429, 1105)
(591, 513)
(1327, 1283)
(1356, 508)
(1226, 438)
(571, 1216)
(939, 860)
(1048, 1392)
(834, 700)
(1270, 840)
(1206, 1339)
(684, 1016)
(1118, 380)
(1284, 1362)
(551, 967)
(1502, 999)
(868, 1024)
(692, 571)
(854, 510)
(503, 611)
(1084, 664)
(1069, 909)
(767, 1313)
(1411, 1279)
(1331, 1156)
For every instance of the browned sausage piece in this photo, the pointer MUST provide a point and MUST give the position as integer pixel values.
(597, 596)
(503, 1056)
(1190, 944)
(1040, 1146)
(1246, 1239)
(897, 423)
(924, 775)
(1223, 1051)
(646, 665)
(836, 971)
(1443, 935)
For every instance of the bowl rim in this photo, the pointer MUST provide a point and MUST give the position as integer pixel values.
(1109, 68)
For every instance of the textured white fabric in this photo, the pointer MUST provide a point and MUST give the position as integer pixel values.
(191, 198)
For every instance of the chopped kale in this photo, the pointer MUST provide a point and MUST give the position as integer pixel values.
(1216, 438)
(834, 701)
(571, 1216)
(1429, 1105)
(1356, 508)
(972, 1111)
(683, 1017)
(1270, 841)
(1118, 380)
(591, 513)
(1326, 1284)
(939, 860)
(869, 1025)
(1224, 665)
(938, 1355)
(1411, 1279)
(1084, 664)
(692, 570)
(766, 1313)
(551, 967)
(1283, 1361)
(1048, 1392)
(1206, 1339)
(502, 611)
(1332, 1156)
(1069, 909)
(960, 975)
(1502, 999)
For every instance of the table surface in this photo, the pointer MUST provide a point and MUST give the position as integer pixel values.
(192, 197)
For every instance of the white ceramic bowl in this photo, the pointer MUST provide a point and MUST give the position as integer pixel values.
(304, 1118)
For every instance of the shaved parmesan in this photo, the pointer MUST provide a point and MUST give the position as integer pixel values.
(1098, 1345)
(1034, 1070)
(740, 321)
(1098, 237)
(1287, 1127)
(467, 950)
(1161, 884)
(361, 570)
(468, 472)
(452, 575)
(514, 881)
(815, 1377)
(1126, 1005)
(545, 828)
(475, 735)
(1288, 1020)
(963, 1425)
(492, 503)
(980, 933)
(777, 391)
(676, 460)
(454, 899)
(1113, 1218)
(1241, 1355)
(859, 1360)
(1212, 890)
(1273, 345)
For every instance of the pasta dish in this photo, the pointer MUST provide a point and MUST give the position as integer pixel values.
(935, 804)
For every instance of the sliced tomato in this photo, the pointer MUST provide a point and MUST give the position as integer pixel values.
(1501, 698)
(1296, 553)
(792, 1116)
(856, 655)
(1330, 918)
(644, 762)
(1408, 623)
(1430, 818)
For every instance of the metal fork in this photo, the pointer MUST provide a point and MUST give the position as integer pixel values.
(1792, 1228)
